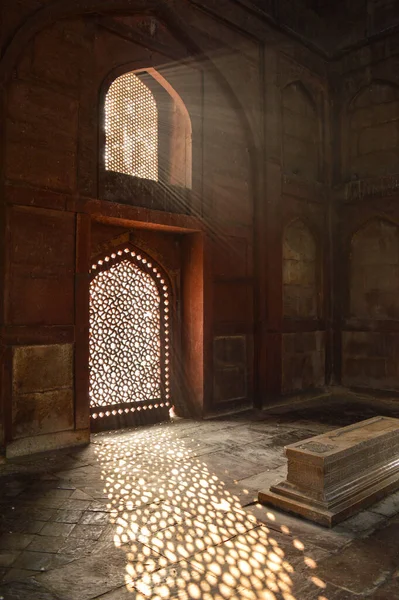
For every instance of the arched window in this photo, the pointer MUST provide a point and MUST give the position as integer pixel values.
(131, 128)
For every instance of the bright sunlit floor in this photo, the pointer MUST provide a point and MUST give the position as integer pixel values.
(169, 511)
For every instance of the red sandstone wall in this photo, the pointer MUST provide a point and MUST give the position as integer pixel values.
(254, 231)
(52, 191)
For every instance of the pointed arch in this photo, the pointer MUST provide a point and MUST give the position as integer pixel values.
(130, 337)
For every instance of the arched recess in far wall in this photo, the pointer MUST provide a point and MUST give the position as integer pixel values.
(374, 271)
(370, 132)
(301, 272)
(301, 133)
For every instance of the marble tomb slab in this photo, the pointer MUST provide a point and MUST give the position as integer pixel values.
(335, 475)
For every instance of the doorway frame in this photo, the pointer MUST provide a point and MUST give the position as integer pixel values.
(133, 415)
(196, 302)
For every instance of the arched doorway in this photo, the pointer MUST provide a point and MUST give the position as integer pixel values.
(130, 337)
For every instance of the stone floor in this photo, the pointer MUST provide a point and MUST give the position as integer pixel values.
(169, 511)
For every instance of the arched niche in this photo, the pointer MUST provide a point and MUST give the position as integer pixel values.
(148, 128)
(300, 272)
(301, 146)
(371, 132)
(374, 271)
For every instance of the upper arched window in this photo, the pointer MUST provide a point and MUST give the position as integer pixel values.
(131, 128)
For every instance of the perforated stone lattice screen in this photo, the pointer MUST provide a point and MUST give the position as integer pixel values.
(131, 128)
(129, 335)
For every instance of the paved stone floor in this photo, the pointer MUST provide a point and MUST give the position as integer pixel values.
(169, 511)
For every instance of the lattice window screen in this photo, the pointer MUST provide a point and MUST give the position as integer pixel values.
(131, 128)
(129, 334)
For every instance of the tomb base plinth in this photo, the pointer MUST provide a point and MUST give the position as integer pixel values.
(335, 475)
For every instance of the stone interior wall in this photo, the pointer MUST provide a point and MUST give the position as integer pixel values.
(41, 286)
(300, 133)
(374, 272)
(231, 368)
(333, 27)
(373, 145)
(300, 272)
(303, 361)
(281, 134)
(303, 352)
(303, 256)
(366, 305)
(371, 357)
(54, 192)
(43, 391)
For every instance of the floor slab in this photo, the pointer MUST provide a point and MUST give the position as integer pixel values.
(168, 511)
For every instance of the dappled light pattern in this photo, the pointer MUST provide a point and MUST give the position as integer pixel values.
(129, 333)
(184, 533)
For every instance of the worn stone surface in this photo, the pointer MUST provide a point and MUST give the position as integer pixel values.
(362, 567)
(42, 390)
(300, 272)
(18, 590)
(42, 368)
(230, 361)
(303, 361)
(373, 137)
(301, 152)
(388, 590)
(135, 515)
